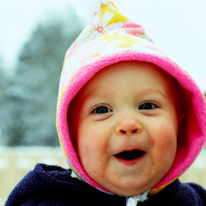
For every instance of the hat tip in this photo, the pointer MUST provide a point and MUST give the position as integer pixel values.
(88, 8)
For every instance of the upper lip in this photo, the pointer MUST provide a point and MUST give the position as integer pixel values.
(128, 145)
(128, 148)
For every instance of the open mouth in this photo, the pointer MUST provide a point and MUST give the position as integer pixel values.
(130, 155)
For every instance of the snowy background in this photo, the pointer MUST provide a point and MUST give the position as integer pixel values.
(34, 35)
(30, 46)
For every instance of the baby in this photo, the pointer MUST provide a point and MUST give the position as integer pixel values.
(130, 122)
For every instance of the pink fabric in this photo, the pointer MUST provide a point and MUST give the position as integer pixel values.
(196, 121)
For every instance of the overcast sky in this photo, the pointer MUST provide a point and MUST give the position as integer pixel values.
(178, 27)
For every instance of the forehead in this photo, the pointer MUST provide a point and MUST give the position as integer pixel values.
(143, 77)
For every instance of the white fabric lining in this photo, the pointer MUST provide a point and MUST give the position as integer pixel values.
(133, 201)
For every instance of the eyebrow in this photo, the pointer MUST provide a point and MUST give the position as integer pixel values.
(152, 91)
(95, 93)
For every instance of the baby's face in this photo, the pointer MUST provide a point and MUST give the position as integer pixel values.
(124, 126)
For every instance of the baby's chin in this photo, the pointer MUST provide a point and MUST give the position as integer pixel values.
(129, 191)
(130, 187)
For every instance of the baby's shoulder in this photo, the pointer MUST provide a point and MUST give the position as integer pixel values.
(179, 194)
(53, 185)
(194, 191)
(190, 194)
(46, 185)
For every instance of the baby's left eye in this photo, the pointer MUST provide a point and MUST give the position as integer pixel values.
(148, 105)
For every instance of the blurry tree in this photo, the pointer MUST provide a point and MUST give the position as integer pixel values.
(2, 83)
(12, 130)
(35, 86)
(3, 87)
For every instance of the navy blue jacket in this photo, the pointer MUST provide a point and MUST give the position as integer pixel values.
(53, 186)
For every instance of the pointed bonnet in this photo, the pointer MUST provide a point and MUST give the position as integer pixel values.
(109, 38)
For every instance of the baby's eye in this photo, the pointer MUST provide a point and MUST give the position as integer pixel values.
(101, 110)
(148, 105)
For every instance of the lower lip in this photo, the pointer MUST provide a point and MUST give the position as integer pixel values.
(130, 162)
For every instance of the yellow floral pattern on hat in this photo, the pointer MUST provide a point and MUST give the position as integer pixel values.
(117, 16)
(107, 33)
(123, 41)
(108, 19)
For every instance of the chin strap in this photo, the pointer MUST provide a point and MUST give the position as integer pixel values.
(133, 201)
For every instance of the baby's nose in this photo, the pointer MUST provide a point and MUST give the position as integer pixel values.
(128, 126)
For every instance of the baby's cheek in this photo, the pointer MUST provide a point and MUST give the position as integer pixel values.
(92, 159)
(88, 147)
(165, 140)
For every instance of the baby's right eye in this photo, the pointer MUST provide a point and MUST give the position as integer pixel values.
(101, 110)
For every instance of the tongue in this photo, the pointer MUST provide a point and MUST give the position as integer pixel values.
(130, 155)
